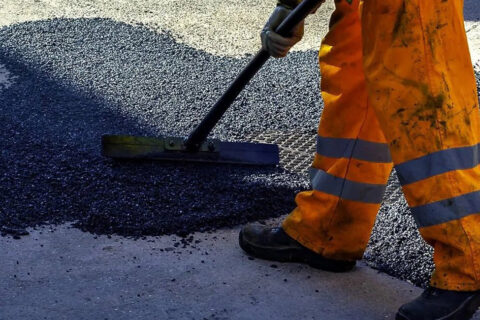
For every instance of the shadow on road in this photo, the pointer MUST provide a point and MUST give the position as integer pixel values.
(77, 79)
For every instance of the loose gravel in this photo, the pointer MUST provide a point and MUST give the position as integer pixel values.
(77, 79)
(396, 246)
(220, 27)
(73, 80)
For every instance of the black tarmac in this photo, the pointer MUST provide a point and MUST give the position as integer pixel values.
(80, 78)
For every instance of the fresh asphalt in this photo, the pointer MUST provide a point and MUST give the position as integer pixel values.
(72, 72)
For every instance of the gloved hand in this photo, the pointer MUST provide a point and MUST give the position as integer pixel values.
(274, 43)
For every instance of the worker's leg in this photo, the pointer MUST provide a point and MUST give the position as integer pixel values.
(421, 84)
(352, 163)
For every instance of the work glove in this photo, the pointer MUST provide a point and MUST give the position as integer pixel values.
(276, 45)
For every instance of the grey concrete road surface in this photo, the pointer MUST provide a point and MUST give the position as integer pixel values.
(67, 274)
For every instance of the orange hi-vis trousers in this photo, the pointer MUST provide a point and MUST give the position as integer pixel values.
(399, 90)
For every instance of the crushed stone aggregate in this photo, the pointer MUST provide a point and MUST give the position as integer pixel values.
(76, 79)
(80, 78)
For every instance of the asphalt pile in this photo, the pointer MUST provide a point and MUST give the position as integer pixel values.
(76, 79)
(79, 79)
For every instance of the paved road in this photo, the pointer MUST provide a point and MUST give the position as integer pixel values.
(67, 274)
(72, 71)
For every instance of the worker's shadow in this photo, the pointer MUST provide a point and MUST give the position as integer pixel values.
(65, 82)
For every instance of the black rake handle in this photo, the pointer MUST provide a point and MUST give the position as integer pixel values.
(198, 136)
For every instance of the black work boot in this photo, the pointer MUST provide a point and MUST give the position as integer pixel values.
(274, 244)
(438, 304)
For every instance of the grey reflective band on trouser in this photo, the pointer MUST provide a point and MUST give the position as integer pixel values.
(437, 163)
(447, 210)
(353, 148)
(346, 189)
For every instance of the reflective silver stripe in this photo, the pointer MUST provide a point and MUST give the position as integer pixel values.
(447, 210)
(353, 148)
(437, 163)
(346, 189)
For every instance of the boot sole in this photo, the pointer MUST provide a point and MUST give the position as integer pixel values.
(293, 255)
(464, 312)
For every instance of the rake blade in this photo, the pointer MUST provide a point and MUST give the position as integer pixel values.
(173, 149)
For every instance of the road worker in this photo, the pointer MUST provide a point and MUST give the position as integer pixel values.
(399, 91)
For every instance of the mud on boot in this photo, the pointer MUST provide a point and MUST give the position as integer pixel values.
(274, 244)
(438, 304)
